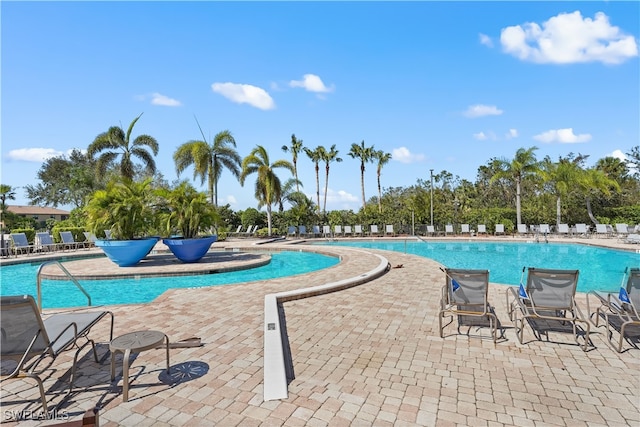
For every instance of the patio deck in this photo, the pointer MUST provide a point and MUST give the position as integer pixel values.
(368, 355)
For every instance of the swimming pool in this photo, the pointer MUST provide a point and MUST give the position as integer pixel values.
(600, 268)
(20, 279)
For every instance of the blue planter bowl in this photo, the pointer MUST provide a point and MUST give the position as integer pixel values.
(126, 253)
(190, 250)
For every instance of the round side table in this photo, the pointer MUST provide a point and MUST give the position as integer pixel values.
(134, 342)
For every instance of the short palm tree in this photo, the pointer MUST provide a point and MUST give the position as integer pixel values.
(382, 158)
(268, 187)
(209, 160)
(115, 142)
(365, 155)
(328, 157)
(295, 148)
(522, 165)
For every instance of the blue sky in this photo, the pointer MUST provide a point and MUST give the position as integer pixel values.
(439, 85)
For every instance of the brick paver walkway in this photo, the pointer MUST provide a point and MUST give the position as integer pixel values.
(368, 355)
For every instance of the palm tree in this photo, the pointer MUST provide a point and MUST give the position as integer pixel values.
(522, 165)
(316, 156)
(288, 192)
(365, 155)
(296, 147)
(6, 193)
(268, 189)
(382, 158)
(115, 142)
(563, 177)
(209, 160)
(328, 157)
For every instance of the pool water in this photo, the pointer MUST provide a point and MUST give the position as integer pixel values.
(20, 279)
(601, 269)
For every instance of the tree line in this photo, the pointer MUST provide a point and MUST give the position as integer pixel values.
(522, 189)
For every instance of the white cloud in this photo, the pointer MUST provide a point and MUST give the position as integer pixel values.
(403, 155)
(563, 136)
(311, 83)
(618, 154)
(480, 110)
(482, 136)
(513, 133)
(569, 38)
(34, 154)
(485, 40)
(245, 94)
(159, 99)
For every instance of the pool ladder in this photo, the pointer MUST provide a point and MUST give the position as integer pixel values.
(66, 272)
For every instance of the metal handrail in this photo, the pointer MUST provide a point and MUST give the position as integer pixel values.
(66, 272)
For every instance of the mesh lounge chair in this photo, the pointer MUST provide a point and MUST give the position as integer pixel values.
(29, 339)
(582, 230)
(499, 229)
(619, 309)
(90, 238)
(522, 229)
(357, 229)
(464, 229)
(292, 231)
(622, 230)
(465, 294)
(348, 231)
(563, 229)
(326, 231)
(315, 230)
(482, 229)
(448, 229)
(373, 230)
(20, 244)
(549, 296)
(603, 230)
(44, 242)
(68, 241)
(544, 229)
(431, 230)
(302, 230)
(337, 230)
(388, 231)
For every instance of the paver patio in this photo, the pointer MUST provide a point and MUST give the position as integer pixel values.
(368, 355)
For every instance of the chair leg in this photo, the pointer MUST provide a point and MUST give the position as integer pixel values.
(43, 397)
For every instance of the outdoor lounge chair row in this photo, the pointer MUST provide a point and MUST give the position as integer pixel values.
(546, 302)
(340, 231)
(43, 242)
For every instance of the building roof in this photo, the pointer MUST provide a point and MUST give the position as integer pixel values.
(36, 210)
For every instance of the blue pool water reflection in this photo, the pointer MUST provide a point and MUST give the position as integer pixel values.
(21, 279)
(600, 268)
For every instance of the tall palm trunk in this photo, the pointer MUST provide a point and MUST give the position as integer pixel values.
(318, 185)
(558, 211)
(518, 210)
(326, 187)
(379, 195)
(590, 212)
(362, 184)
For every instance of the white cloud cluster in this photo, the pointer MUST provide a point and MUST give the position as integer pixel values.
(165, 101)
(37, 155)
(563, 136)
(569, 38)
(403, 155)
(485, 40)
(480, 110)
(245, 94)
(311, 83)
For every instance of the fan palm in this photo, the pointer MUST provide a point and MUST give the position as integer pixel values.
(522, 165)
(295, 148)
(316, 156)
(382, 158)
(209, 160)
(268, 187)
(115, 142)
(365, 155)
